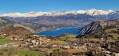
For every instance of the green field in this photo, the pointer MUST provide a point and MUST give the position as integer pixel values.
(21, 52)
(3, 41)
(29, 52)
(53, 49)
(62, 42)
(1, 52)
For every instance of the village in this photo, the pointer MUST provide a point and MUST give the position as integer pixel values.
(68, 44)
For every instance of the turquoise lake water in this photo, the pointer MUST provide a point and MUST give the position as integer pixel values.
(61, 31)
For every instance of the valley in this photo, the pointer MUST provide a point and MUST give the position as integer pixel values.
(59, 28)
(98, 38)
(54, 35)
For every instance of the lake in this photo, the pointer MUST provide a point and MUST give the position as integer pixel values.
(61, 31)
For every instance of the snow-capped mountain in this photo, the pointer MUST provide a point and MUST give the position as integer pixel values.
(62, 18)
(95, 12)
(92, 12)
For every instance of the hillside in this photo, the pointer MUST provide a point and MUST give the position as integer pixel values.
(105, 33)
(35, 27)
(13, 28)
(5, 22)
(107, 37)
(17, 31)
(109, 31)
(98, 25)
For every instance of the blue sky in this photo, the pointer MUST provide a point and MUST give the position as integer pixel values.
(23, 6)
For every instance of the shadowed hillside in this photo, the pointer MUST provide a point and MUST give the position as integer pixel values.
(99, 25)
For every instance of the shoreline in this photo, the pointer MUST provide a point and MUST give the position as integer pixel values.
(60, 31)
(60, 28)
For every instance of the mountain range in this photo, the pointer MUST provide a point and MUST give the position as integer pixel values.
(92, 12)
(43, 21)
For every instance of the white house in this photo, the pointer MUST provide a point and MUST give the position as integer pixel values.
(116, 54)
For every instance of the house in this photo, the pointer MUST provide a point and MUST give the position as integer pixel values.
(36, 35)
(8, 45)
(102, 39)
(116, 54)
(33, 41)
(107, 53)
(54, 46)
(66, 47)
(48, 40)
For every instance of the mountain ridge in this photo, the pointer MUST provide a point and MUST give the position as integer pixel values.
(92, 12)
(7, 23)
(98, 25)
(44, 21)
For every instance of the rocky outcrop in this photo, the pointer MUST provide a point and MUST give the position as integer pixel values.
(28, 28)
(98, 25)
(7, 23)
(4, 23)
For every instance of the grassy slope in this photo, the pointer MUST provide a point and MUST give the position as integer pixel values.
(21, 52)
(115, 35)
(28, 52)
(103, 33)
(3, 41)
